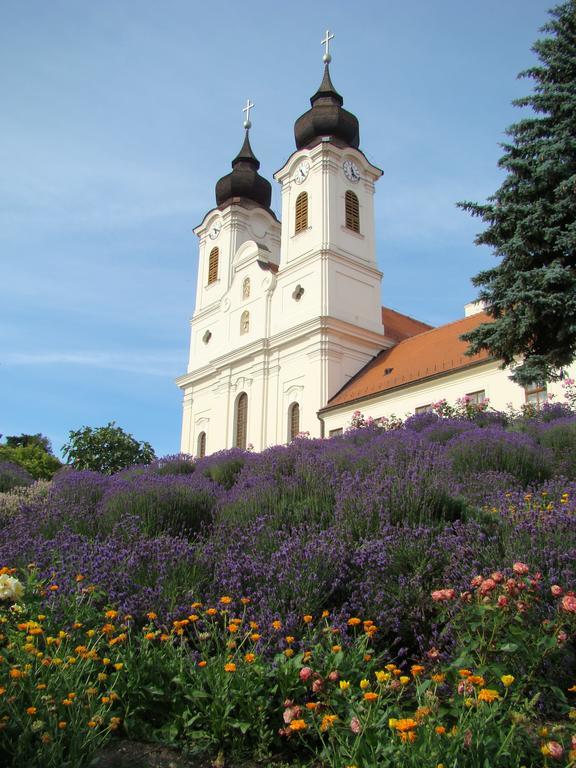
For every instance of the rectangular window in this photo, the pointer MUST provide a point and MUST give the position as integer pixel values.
(423, 409)
(334, 432)
(536, 395)
(476, 398)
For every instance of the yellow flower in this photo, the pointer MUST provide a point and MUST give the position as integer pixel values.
(225, 600)
(250, 658)
(382, 676)
(31, 710)
(111, 614)
(289, 639)
(151, 615)
(62, 725)
(336, 648)
(118, 666)
(507, 680)
(404, 679)
(307, 618)
(289, 652)
(438, 678)
(298, 725)
(276, 624)
(255, 636)
(489, 695)
(364, 684)
(344, 685)
(92, 724)
(230, 667)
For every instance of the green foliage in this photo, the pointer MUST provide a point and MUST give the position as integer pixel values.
(218, 686)
(105, 449)
(531, 294)
(33, 457)
(33, 453)
(225, 472)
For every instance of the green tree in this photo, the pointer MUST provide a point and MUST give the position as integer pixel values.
(531, 293)
(33, 453)
(105, 449)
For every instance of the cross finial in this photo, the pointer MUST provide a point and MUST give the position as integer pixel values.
(247, 108)
(326, 42)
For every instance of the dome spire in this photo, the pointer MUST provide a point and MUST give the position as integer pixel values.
(245, 182)
(327, 119)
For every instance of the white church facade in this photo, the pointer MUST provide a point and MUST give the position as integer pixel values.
(288, 333)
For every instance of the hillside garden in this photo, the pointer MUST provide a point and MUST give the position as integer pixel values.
(403, 594)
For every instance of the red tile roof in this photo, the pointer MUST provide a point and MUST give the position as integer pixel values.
(431, 353)
(398, 326)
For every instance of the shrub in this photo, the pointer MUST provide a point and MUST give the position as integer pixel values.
(494, 450)
(163, 504)
(105, 449)
(13, 475)
(560, 438)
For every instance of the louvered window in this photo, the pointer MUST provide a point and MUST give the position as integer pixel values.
(301, 212)
(241, 421)
(294, 420)
(201, 445)
(213, 266)
(352, 212)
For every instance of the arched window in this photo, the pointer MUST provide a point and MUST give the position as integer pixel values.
(244, 322)
(294, 420)
(301, 212)
(241, 426)
(246, 288)
(201, 452)
(352, 211)
(213, 266)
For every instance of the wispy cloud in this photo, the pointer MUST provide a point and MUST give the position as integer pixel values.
(147, 364)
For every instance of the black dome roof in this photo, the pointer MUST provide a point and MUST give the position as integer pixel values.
(244, 181)
(327, 118)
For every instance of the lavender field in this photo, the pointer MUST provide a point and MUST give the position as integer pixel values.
(367, 524)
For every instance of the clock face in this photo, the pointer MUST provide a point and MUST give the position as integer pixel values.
(351, 171)
(215, 230)
(302, 172)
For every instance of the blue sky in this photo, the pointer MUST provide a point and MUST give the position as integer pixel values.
(118, 118)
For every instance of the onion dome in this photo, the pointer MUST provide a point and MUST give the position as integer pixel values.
(244, 182)
(327, 118)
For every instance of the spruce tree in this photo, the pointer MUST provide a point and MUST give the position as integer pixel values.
(531, 293)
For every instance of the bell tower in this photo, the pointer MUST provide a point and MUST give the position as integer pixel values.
(328, 227)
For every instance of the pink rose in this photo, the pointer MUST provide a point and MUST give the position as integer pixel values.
(355, 726)
(497, 576)
(502, 601)
(333, 676)
(317, 685)
(305, 674)
(561, 637)
(487, 586)
(568, 603)
(441, 595)
(556, 590)
(554, 749)
(476, 581)
(520, 568)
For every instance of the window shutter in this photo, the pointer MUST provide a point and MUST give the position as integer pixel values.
(352, 212)
(213, 266)
(301, 212)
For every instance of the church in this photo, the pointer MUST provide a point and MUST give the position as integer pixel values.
(288, 334)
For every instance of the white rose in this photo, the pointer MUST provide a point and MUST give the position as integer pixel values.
(10, 588)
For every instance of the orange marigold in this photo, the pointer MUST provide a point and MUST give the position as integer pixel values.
(488, 694)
